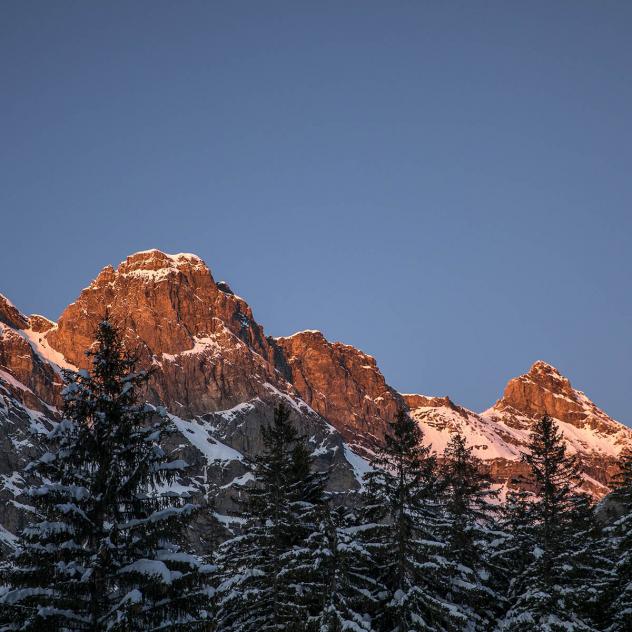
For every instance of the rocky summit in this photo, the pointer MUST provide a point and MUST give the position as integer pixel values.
(220, 377)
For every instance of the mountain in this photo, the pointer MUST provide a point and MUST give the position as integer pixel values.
(220, 378)
(212, 367)
(345, 386)
(500, 433)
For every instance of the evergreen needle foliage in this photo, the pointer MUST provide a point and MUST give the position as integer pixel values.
(403, 527)
(470, 513)
(551, 541)
(426, 544)
(263, 587)
(618, 598)
(104, 553)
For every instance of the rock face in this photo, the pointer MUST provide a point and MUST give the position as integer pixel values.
(220, 379)
(9, 314)
(209, 352)
(24, 371)
(543, 390)
(19, 430)
(164, 302)
(341, 383)
(29, 394)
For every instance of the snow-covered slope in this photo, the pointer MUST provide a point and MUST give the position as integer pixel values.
(439, 418)
(500, 434)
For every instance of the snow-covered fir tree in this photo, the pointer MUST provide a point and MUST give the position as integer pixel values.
(342, 591)
(402, 525)
(510, 551)
(548, 592)
(589, 570)
(106, 549)
(262, 585)
(302, 572)
(470, 512)
(618, 540)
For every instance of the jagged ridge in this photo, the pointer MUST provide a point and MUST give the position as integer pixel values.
(220, 376)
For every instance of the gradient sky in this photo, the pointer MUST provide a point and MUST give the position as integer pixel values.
(446, 185)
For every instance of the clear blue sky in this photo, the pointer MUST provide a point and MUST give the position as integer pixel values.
(446, 185)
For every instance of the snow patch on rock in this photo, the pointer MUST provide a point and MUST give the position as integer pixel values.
(198, 434)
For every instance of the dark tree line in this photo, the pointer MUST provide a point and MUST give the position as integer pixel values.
(427, 544)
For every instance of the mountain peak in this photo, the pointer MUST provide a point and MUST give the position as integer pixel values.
(173, 314)
(155, 261)
(155, 253)
(540, 366)
(543, 371)
(543, 390)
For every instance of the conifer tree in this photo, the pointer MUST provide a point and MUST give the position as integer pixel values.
(341, 589)
(510, 551)
(105, 552)
(470, 511)
(547, 594)
(589, 570)
(618, 539)
(402, 526)
(261, 588)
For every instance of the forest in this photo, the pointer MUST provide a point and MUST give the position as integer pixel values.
(427, 543)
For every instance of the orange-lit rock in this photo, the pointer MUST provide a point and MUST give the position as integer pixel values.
(207, 350)
(341, 383)
(213, 365)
